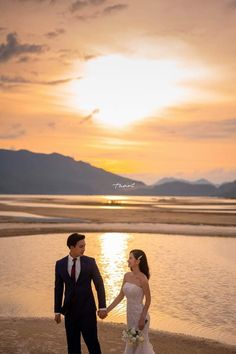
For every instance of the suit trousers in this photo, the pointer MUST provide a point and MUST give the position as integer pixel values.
(86, 325)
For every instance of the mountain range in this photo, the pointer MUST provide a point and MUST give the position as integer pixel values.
(25, 172)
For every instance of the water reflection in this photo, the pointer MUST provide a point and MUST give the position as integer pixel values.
(113, 264)
(192, 278)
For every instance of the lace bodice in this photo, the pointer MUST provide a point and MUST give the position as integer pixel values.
(133, 292)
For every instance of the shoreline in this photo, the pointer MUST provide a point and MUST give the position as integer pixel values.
(11, 229)
(36, 335)
(43, 219)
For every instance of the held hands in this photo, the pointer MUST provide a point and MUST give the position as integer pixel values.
(102, 314)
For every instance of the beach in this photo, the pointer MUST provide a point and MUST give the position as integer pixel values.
(44, 336)
(29, 335)
(67, 216)
(19, 229)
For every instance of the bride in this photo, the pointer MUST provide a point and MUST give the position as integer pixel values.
(135, 287)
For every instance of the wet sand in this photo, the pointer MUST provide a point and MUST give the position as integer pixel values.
(145, 215)
(38, 336)
(23, 229)
(152, 220)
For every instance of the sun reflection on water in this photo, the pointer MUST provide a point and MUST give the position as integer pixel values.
(113, 265)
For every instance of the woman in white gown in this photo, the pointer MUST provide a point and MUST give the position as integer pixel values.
(135, 288)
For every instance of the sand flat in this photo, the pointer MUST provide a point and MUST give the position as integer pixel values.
(151, 220)
(24, 228)
(146, 215)
(44, 336)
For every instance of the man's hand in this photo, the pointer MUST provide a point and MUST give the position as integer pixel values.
(57, 318)
(102, 314)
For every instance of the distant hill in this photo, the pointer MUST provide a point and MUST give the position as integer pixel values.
(227, 190)
(171, 179)
(25, 172)
(168, 180)
(178, 188)
(170, 186)
(202, 181)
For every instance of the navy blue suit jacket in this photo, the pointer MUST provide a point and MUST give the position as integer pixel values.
(81, 292)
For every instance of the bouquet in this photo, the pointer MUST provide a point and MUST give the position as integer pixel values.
(132, 336)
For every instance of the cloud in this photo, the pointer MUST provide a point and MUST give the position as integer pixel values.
(211, 129)
(15, 131)
(96, 2)
(78, 5)
(12, 80)
(15, 80)
(87, 57)
(115, 8)
(13, 48)
(69, 55)
(39, 1)
(232, 4)
(23, 59)
(88, 17)
(81, 4)
(56, 33)
(52, 125)
(58, 82)
(221, 175)
(109, 10)
(196, 130)
(90, 116)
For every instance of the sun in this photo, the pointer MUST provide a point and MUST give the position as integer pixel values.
(117, 91)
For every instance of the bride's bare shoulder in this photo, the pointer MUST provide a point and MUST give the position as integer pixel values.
(143, 279)
(127, 275)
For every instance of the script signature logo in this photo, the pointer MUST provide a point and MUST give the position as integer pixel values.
(119, 185)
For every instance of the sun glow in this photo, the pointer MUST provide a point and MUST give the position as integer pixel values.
(118, 91)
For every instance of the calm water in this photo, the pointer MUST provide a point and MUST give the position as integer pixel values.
(193, 280)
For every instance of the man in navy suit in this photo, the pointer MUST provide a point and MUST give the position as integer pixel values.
(73, 276)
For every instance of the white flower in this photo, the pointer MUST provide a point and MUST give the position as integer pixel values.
(132, 336)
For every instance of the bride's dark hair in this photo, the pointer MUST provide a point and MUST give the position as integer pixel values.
(143, 265)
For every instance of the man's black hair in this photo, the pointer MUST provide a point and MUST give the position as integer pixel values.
(74, 238)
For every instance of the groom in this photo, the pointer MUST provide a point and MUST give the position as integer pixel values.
(73, 276)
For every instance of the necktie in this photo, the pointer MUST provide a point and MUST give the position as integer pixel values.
(73, 270)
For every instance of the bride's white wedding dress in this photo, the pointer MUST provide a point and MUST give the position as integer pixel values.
(135, 295)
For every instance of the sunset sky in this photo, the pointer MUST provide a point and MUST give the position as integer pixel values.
(145, 89)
